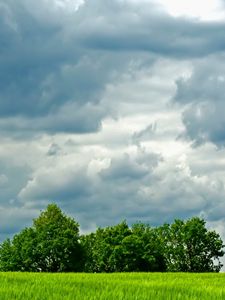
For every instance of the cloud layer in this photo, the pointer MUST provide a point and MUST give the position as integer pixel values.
(113, 110)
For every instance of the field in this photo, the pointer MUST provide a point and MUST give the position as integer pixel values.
(127, 286)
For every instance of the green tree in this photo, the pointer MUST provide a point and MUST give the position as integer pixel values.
(151, 256)
(50, 245)
(102, 246)
(88, 243)
(122, 249)
(6, 256)
(190, 247)
(24, 250)
(19, 254)
(53, 244)
(58, 247)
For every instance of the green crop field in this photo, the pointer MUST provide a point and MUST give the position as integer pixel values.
(116, 286)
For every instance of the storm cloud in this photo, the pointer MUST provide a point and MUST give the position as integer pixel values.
(56, 62)
(203, 95)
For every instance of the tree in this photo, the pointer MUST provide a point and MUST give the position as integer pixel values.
(102, 246)
(53, 244)
(151, 256)
(58, 247)
(88, 243)
(24, 250)
(190, 247)
(50, 245)
(19, 254)
(6, 255)
(122, 249)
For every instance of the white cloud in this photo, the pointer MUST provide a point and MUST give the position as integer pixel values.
(210, 10)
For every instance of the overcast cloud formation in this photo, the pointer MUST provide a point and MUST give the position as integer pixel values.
(113, 109)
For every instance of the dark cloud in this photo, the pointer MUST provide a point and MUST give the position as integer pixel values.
(205, 122)
(54, 149)
(52, 59)
(203, 94)
(70, 118)
(12, 178)
(43, 72)
(112, 189)
(124, 169)
(141, 186)
(56, 183)
(122, 26)
(206, 82)
(14, 218)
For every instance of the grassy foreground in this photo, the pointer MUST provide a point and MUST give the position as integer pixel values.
(125, 286)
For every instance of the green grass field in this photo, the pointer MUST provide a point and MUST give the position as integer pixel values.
(125, 286)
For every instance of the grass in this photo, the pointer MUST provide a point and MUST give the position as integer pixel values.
(123, 286)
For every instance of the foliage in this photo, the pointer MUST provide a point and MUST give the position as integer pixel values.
(6, 262)
(50, 245)
(53, 244)
(190, 247)
(102, 248)
(123, 249)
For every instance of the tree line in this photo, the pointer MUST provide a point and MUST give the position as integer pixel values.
(53, 244)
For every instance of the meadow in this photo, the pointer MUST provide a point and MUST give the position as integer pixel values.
(117, 286)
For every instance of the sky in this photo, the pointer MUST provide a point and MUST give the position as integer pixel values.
(112, 109)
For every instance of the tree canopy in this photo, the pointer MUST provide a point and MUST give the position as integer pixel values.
(53, 244)
(50, 245)
(190, 247)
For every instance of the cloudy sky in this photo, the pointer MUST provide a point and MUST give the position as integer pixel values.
(113, 109)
